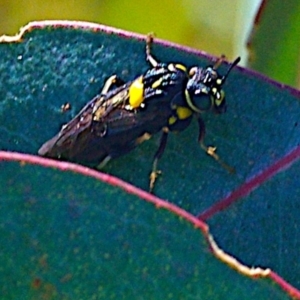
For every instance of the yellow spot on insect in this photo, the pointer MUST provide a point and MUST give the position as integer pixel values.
(220, 98)
(136, 93)
(181, 67)
(175, 67)
(157, 83)
(172, 120)
(219, 81)
(193, 71)
(183, 112)
(171, 68)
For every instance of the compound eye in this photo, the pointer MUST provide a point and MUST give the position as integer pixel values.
(202, 101)
(192, 71)
(219, 98)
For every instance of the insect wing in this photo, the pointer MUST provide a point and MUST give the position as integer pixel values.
(75, 134)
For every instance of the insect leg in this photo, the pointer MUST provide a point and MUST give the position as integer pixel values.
(109, 82)
(104, 162)
(149, 56)
(112, 80)
(209, 149)
(219, 62)
(157, 156)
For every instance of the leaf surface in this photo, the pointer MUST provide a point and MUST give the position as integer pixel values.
(258, 135)
(69, 236)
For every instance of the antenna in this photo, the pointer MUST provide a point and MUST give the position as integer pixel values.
(219, 61)
(236, 61)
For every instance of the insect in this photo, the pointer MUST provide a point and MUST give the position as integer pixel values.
(164, 99)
